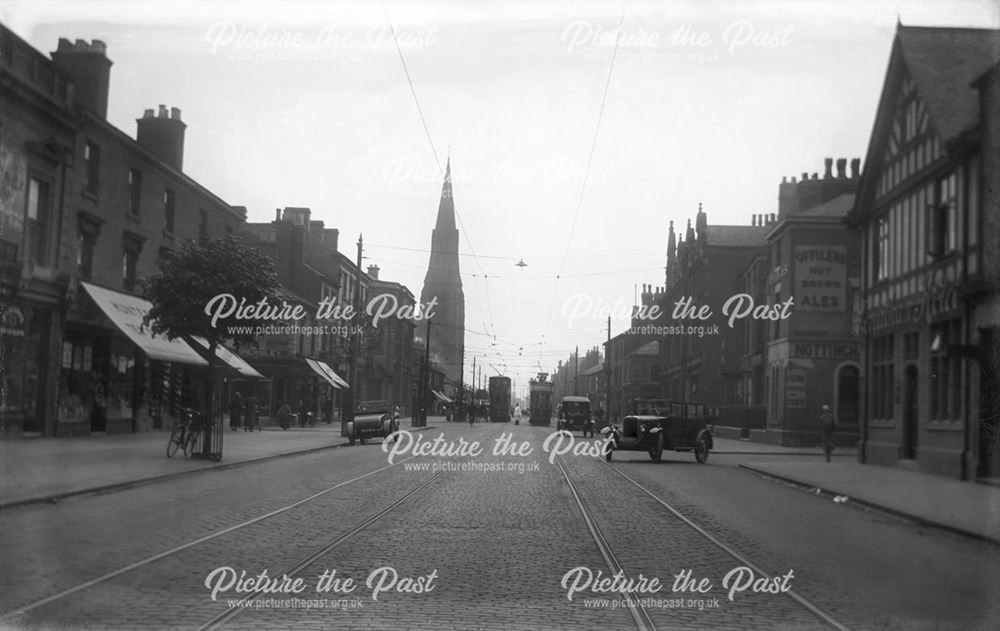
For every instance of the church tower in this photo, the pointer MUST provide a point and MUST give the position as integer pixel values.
(443, 282)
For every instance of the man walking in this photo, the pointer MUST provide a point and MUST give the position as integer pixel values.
(827, 425)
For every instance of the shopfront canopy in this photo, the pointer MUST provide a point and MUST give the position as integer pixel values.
(127, 312)
(323, 370)
(441, 397)
(231, 359)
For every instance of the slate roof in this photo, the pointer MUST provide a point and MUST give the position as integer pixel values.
(839, 206)
(943, 63)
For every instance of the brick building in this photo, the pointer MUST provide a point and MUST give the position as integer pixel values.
(812, 358)
(928, 215)
(87, 213)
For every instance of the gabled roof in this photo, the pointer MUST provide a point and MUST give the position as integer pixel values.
(943, 63)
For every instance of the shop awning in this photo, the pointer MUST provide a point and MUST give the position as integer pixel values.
(333, 375)
(231, 359)
(127, 313)
(326, 373)
(441, 397)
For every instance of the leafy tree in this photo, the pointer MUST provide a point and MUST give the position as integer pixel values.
(193, 276)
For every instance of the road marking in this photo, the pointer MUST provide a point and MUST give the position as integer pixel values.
(191, 544)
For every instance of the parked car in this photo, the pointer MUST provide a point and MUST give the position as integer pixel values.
(372, 419)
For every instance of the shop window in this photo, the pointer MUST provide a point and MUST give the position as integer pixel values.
(135, 192)
(946, 372)
(91, 168)
(39, 211)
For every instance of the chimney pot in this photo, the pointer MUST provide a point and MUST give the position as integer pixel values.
(753, 220)
(175, 113)
(828, 171)
(148, 113)
(277, 214)
(805, 176)
(841, 167)
(774, 218)
(82, 46)
(793, 179)
(163, 111)
(856, 168)
(98, 46)
(783, 179)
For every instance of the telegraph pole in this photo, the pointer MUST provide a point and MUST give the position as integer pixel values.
(427, 376)
(576, 378)
(347, 412)
(607, 375)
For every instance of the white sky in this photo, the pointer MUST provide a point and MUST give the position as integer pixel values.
(279, 116)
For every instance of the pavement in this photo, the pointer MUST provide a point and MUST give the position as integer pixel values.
(47, 470)
(37, 470)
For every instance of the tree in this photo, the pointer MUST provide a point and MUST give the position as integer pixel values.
(190, 278)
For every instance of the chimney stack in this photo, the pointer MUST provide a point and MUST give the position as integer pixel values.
(855, 168)
(163, 136)
(842, 167)
(373, 271)
(89, 68)
(753, 220)
(277, 211)
(828, 172)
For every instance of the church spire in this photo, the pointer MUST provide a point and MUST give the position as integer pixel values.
(446, 207)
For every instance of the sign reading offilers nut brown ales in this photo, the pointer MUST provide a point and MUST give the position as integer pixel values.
(820, 278)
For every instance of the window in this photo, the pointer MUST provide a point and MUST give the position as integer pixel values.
(168, 210)
(946, 372)
(202, 227)
(943, 234)
(131, 247)
(880, 264)
(134, 191)
(39, 202)
(882, 377)
(85, 254)
(92, 168)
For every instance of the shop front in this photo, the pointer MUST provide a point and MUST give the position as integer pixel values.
(116, 376)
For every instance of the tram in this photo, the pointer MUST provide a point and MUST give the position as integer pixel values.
(540, 400)
(499, 400)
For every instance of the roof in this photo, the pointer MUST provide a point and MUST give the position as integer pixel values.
(839, 206)
(943, 63)
(649, 348)
(593, 370)
(736, 236)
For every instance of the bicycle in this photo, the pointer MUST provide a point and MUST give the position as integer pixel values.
(184, 435)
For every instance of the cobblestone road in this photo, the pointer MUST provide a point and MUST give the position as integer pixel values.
(484, 545)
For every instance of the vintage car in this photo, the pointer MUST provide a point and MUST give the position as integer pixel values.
(574, 415)
(372, 419)
(678, 427)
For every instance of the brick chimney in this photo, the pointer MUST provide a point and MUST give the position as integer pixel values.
(373, 271)
(163, 136)
(89, 68)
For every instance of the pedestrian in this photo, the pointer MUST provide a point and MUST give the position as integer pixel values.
(827, 426)
(250, 414)
(235, 411)
(284, 415)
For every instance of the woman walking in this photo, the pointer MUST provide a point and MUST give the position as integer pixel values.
(827, 425)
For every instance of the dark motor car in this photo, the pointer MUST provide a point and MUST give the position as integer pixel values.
(574, 415)
(678, 427)
(372, 419)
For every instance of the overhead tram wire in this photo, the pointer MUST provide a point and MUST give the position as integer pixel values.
(430, 141)
(586, 173)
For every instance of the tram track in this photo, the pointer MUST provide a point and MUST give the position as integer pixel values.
(801, 600)
(188, 546)
(641, 616)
